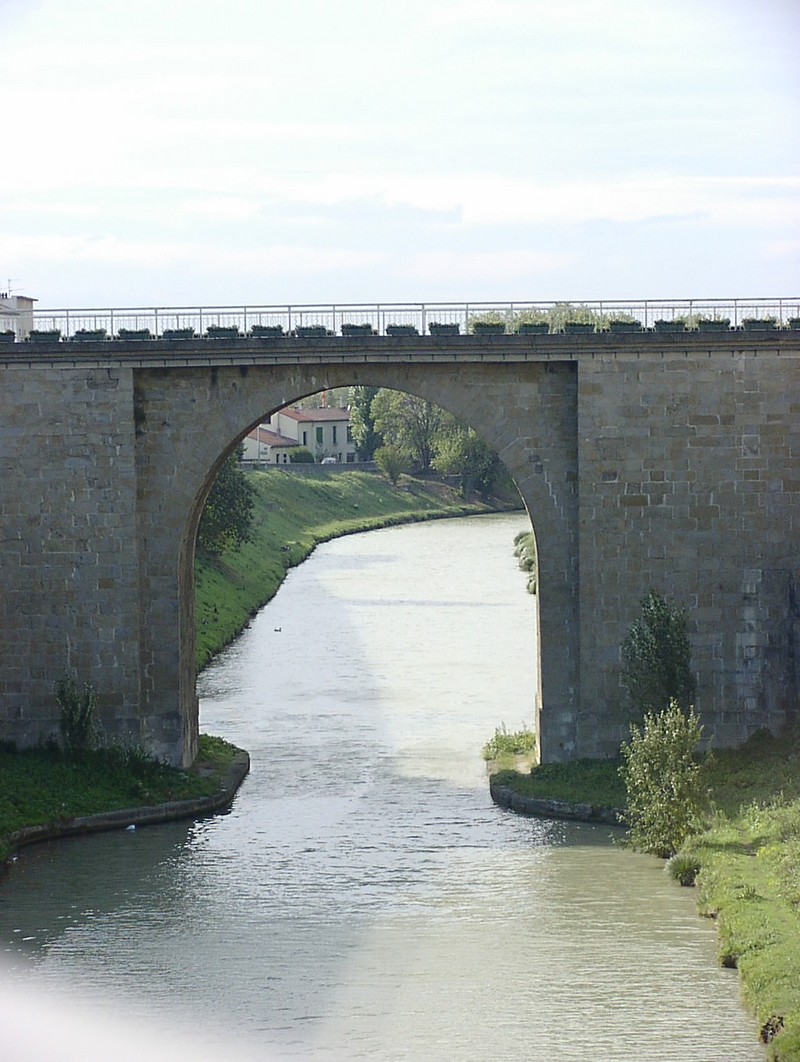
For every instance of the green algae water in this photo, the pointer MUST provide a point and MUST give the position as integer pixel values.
(363, 898)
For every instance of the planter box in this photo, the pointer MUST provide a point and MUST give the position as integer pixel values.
(488, 328)
(533, 328)
(7, 337)
(50, 336)
(402, 330)
(350, 329)
(311, 331)
(576, 327)
(89, 335)
(266, 331)
(624, 326)
(722, 325)
(754, 324)
(222, 332)
(794, 324)
(670, 326)
(443, 328)
(178, 333)
(134, 333)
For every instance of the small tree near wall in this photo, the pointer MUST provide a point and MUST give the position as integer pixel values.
(657, 658)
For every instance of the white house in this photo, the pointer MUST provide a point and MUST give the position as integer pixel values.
(16, 314)
(325, 432)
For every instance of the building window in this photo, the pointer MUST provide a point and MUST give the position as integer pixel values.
(305, 438)
(319, 435)
(349, 433)
(351, 458)
(277, 458)
(285, 458)
(333, 434)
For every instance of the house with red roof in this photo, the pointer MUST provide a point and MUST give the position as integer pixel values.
(324, 431)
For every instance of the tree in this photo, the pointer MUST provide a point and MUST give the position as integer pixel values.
(362, 423)
(408, 422)
(461, 452)
(301, 455)
(663, 780)
(656, 658)
(392, 461)
(228, 514)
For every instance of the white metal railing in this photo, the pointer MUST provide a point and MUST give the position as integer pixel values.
(331, 317)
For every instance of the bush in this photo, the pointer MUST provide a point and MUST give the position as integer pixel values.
(392, 461)
(301, 456)
(504, 743)
(657, 658)
(683, 868)
(663, 781)
(77, 715)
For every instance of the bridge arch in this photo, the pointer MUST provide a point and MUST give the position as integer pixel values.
(190, 420)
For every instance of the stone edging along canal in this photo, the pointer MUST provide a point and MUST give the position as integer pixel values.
(194, 808)
(552, 809)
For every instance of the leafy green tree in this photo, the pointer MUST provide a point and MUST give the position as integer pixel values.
(362, 422)
(657, 658)
(408, 422)
(461, 452)
(228, 514)
(77, 712)
(392, 461)
(663, 780)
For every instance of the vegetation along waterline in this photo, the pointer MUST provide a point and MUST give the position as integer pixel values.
(744, 860)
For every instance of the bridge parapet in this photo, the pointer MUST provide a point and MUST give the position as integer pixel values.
(364, 319)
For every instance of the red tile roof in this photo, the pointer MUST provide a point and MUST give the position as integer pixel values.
(308, 416)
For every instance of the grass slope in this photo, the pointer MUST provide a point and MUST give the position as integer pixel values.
(293, 514)
(749, 857)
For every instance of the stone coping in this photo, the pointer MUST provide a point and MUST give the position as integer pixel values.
(506, 798)
(148, 815)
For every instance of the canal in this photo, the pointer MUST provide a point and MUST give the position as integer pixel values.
(363, 898)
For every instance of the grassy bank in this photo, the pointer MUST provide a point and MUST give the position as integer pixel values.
(40, 786)
(293, 514)
(749, 865)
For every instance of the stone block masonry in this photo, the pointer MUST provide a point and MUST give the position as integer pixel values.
(645, 462)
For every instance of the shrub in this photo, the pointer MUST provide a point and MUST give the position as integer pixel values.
(77, 715)
(663, 780)
(504, 743)
(657, 658)
(683, 868)
(301, 456)
(392, 461)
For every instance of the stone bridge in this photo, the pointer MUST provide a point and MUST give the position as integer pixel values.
(645, 460)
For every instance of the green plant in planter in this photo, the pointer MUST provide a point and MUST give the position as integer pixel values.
(490, 323)
(794, 323)
(44, 335)
(260, 331)
(134, 333)
(178, 333)
(222, 332)
(85, 335)
(402, 330)
(624, 323)
(444, 328)
(759, 324)
(350, 328)
(7, 337)
(311, 331)
(677, 325)
(713, 324)
(574, 327)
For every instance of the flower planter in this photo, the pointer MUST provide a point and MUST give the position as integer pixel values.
(488, 328)
(794, 324)
(720, 325)
(51, 335)
(266, 331)
(759, 324)
(533, 328)
(7, 337)
(351, 329)
(222, 332)
(443, 328)
(624, 326)
(401, 330)
(670, 326)
(178, 333)
(311, 331)
(89, 335)
(134, 333)
(577, 327)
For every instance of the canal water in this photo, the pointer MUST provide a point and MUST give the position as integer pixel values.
(364, 899)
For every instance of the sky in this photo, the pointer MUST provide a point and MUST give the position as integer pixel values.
(253, 152)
